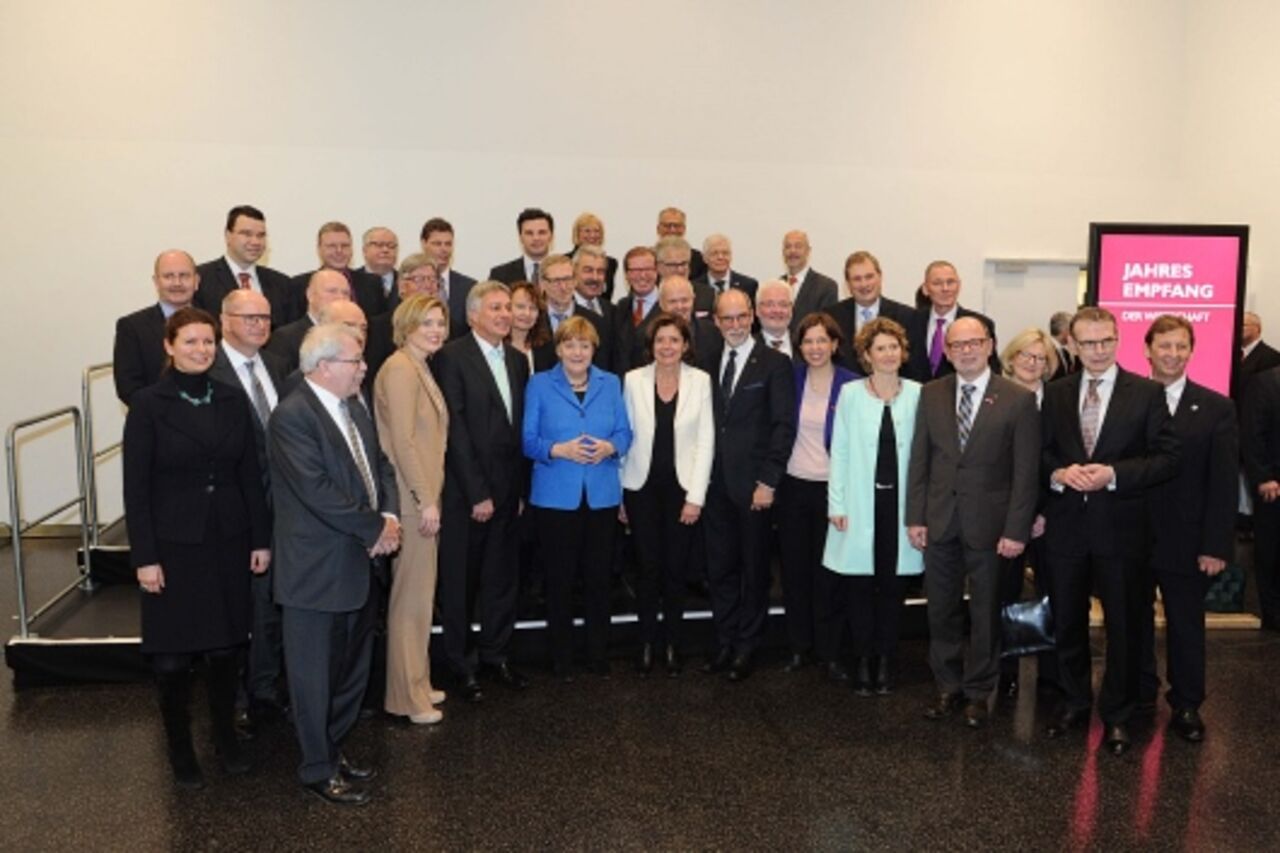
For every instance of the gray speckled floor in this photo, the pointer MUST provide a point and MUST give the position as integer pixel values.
(778, 762)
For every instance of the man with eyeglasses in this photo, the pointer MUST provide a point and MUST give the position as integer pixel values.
(417, 275)
(636, 310)
(559, 285)
(334, 249)
(672, 223)
(238, 269)
(928, 332)
(324, 286)
(1107, 440)
(138, 354)
(753, 400)
(241, 362)
(720, 276)
(381, 248)
(971, 497)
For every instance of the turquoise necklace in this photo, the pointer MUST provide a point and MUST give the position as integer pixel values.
(198, 401)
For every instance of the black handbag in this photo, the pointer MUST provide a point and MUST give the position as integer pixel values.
(1027, 628)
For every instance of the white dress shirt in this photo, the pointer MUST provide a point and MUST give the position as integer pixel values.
(238, 361)
(744, 352)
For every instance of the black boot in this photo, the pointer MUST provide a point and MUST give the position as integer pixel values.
(884, 680)
(222, 712)
(175, 696)
(862, 677)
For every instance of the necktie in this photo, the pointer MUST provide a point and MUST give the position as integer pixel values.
(1089, 416)
(776, 343)
(357, 452)
(444, 287)
(258, 394)
(246, 280)
(498, 365)
(556, 320)
(866, 315)
(726, 380)
(536, 265)
(936, 347)
(791, 280)
(721, 286)
(637, 316)
(964, 414)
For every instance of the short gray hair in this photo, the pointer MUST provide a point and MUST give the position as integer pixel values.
(1059, 323)
(672, 242)
(716, 238)
(480, 291)
(324, 343)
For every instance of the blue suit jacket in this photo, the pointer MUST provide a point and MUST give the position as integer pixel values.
(843, 375)
(552, 414)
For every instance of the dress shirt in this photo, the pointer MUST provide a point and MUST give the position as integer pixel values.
(1108, 382)
(168, 310)
(496, 358)
(1173, 393)
(589, 304)
(1244, 351)
(865, 314)
(744, 352)
(252, 270)
(979, 384)
(646, 303)
(783, 347)
(795, 288)
(388, 283)
(443, 277)
(528, 268)
(238, 361)
(557, 316)
(947, 319)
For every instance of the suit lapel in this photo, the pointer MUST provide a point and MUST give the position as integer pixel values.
(1116, 408)
(480, 366)
(990, 399)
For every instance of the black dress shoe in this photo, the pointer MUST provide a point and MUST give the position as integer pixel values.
(944, 706)
(471, 690)
(1187, 725)
(719, 663)
(354, 772)
(797, 662)
(862, 678)
(837, 673)
(338, 791)
(884, 676)
(741, 667)
(672, 660)
(507, 675)
(975, 714)
(1117, 740)
(644, 663)
(1076, 718)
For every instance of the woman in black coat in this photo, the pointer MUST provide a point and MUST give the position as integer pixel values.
(198, 528)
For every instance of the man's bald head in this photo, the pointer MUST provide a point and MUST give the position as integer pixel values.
(675, 296)
(175, 277)
(347, 313)
(325, 286)
(246, 320)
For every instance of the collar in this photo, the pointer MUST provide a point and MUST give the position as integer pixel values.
(948, 318)
(486, 348)
(237, 358)
(979, 384)
(236, 269)
(1107, 376)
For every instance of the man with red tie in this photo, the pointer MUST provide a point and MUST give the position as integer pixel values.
(810, 290)
(238, 269)
(636, 309)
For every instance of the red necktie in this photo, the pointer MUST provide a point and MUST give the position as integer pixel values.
(637, 316)
(791, 280)
(246, 281)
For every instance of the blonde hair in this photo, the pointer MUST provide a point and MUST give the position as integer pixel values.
(1024, 339)
(410, 313)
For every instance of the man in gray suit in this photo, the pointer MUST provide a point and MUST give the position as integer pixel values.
(971, 497)
(336, 510)
(810, 290)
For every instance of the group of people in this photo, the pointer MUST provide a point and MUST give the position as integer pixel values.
(298, 485)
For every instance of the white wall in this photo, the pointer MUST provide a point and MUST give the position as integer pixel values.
(917, 130)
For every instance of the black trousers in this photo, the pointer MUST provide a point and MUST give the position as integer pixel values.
(871, 607)
(737, 570)
(577, 542)
(663, 546)
(1117, 582)
(1266, 556)
(1183, 596)
(327, 657)
(801, 515)
(477, 564)
(947, 566)
(266, 645)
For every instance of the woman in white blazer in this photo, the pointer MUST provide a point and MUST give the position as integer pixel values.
(664, 477)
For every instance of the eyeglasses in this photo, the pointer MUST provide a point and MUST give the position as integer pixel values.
(346, 360)
(641, 270)
(965, 346)
(421, 279)
(383, 244)
(1032, 358)
(1098, 345)
(253, 319)
(735, 319)
(564, 279)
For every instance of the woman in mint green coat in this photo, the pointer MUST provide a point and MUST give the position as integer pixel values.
(867, 542)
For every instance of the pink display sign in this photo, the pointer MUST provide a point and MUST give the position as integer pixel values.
(1143, 275)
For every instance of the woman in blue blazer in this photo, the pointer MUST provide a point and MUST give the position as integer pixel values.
(575, 430)
(802, 494)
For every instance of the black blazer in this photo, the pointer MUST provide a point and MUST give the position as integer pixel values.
(217, 280)
(603, 358)
(755, 428)
(817, 293)
(223, 372)
(378, 347)
(366, 291)
(1067, 363)
(630, 342)
(510, 272)
(697, 265)
(392, 299)
(1261, 359)
(921, 330)
(285, 342)
(483, 459)
(1137, 439)
(138, 355)
(704, 295)
(459, 288)
(173, 483)
(1195, 512)
(1260, 430)
(845, 313)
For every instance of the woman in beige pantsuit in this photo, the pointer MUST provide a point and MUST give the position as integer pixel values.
(412, 426)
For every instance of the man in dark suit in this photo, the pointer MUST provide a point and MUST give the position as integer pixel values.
(672, 223)
(138, 355)
(1107, 440)
(241, 362)
(675, 296)
(1256, 356)
(928, 333)
(1261, 439)
(1193, 518)
(324, 286)
(381, 248)
(972, 486)
(437, 243)
(333, 246)
(246, 239)
(774, 315)
(717, 251)
(636, 310)
(753, 399)
(810, 290)
(589, 283)
(537, 232)
(866, 302)
(1060, 331)
(482, 379)
(336, 508)
(558, 284)
(674, 254)
(417, 275)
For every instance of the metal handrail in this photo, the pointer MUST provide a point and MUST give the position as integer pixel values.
(17, 528)
(90, 456)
